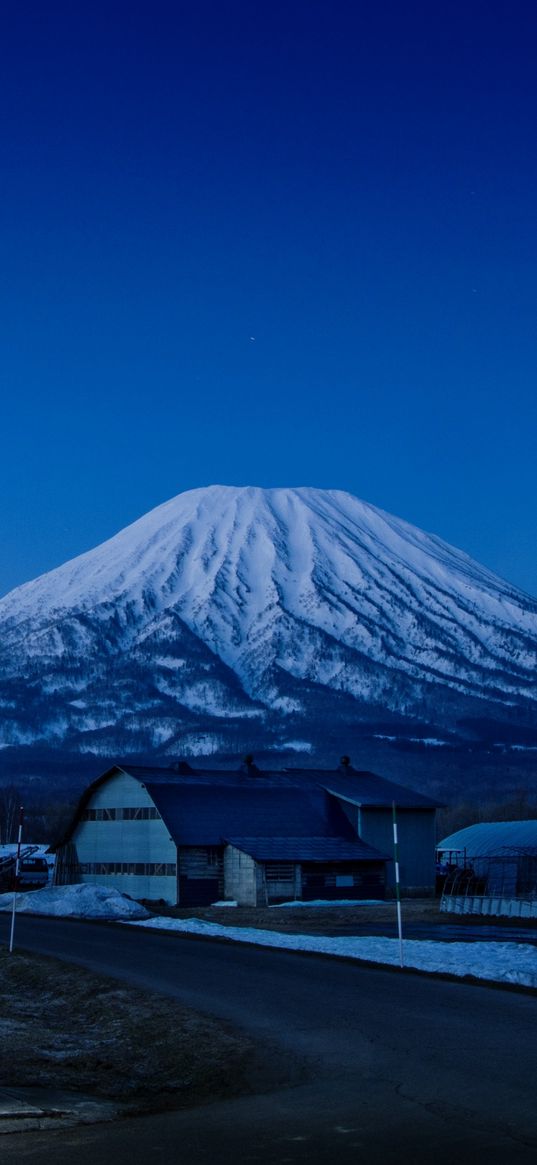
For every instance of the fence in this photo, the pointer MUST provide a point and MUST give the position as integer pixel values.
(500, 884)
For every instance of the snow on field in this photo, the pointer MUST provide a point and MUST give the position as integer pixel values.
(322, 902)
(78, 901)
(500, 962)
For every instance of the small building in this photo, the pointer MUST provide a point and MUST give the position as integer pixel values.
(194, 837)
(490, 868)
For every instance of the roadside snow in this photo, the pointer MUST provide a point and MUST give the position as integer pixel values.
(79, 901)
(508, 962)
(500, 962)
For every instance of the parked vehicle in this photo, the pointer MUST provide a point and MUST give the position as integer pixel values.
(33, 874)
(33, 870)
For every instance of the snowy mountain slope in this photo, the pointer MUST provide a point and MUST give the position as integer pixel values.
(227, 605)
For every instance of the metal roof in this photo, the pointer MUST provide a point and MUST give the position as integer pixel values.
(369, 790)
(205, 814)
(492, 838)
(306, 849)
(362, 787)
(201, 806)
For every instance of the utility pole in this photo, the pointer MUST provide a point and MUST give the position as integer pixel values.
(16, 879)
(397, 884)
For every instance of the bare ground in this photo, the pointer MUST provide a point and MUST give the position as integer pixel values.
(332, 920)
(64, 1028)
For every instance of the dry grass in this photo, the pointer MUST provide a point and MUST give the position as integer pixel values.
(310, 920)
(334, 920)
(64, 1028)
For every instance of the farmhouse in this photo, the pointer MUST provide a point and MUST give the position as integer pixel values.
(198, 836)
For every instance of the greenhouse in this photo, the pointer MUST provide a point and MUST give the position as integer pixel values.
(490, 868)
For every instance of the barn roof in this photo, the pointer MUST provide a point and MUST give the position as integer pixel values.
(201, 806)
(371, 791)
(361, 787)
(205, 814)
(306, 849)
(492, 838)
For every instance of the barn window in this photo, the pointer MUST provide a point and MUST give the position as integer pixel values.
(140, 813)
(129, 813)
(279, 871)
(169, 869)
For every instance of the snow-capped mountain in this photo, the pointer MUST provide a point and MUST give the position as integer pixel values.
(232, 614)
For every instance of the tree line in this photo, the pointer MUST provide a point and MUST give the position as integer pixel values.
(44, 820)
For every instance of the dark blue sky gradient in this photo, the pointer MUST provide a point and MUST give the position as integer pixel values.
(354, 185)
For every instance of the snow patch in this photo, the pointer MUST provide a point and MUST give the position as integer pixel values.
(199, 745)
(499, 962)
(329, 902)
(81, 900)
(296, 745)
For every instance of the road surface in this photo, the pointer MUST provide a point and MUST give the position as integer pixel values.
(383, 1065)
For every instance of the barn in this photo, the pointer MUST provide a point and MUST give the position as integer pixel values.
(194, 837)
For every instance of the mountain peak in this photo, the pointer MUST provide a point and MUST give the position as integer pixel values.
(240, 601)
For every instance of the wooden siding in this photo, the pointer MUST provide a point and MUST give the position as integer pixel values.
(343, 880)
(282, 881)
(201, 875)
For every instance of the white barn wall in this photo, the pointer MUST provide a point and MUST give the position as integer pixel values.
(126, 841)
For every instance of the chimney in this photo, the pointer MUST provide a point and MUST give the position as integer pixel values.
(345, 764)
(248, 767)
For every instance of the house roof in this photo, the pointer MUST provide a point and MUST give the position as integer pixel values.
(306, 849)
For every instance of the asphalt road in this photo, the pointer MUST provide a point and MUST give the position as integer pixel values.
(388, 1066)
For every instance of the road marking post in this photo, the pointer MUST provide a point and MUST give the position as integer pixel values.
(16, 880)
(397, 884)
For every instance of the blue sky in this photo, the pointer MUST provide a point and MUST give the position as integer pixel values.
(272, 244)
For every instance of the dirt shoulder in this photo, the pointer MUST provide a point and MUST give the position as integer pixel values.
(64, 1028)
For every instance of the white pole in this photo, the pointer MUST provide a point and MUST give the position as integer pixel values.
(397, 885)
(16, 881)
